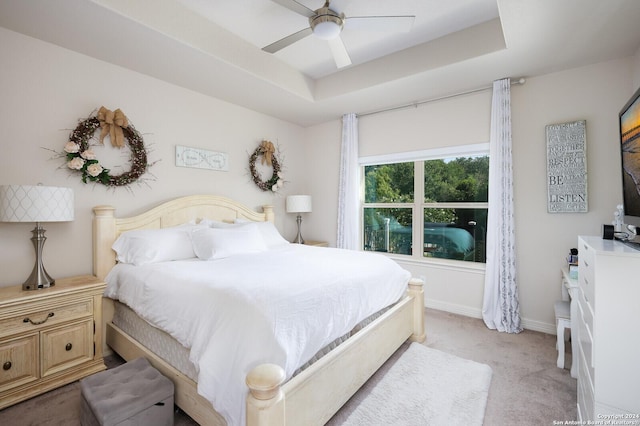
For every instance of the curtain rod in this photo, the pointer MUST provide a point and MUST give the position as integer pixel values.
(416, 104)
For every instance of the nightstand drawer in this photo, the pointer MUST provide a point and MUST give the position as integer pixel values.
(36, 317)
(18, 361)
(66, 346)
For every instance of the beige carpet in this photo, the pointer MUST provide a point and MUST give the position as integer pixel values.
(526, 387)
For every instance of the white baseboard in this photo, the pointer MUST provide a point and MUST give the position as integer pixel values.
(477, 313)
(453, 308)
(540, 326)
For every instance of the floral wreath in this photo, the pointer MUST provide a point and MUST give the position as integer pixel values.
(81, 158)
(267, 151)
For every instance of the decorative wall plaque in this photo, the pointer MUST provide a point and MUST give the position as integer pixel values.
(201, 158)
(567, 167)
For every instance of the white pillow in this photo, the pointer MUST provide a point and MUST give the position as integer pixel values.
(218, 243)
(270, 235)
(145, 246)
(272, 238)
(216, 223)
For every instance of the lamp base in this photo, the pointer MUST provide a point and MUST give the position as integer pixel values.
(299, 239)
(39, 277)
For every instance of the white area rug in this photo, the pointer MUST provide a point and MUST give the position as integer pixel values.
(426, 387)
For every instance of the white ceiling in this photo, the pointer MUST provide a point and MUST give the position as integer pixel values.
(214, 46)
(261, 22)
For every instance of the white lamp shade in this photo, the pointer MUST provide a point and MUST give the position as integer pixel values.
(25, 203)
(298, 203)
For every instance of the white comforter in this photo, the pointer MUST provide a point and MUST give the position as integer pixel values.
(279, 306)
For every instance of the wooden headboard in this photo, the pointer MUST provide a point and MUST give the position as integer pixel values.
(106, 227)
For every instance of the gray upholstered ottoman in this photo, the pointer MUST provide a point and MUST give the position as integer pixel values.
(131, 394)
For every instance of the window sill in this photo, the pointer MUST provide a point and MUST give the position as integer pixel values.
(457, 265)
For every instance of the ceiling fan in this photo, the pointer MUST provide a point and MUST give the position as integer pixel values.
(327, 24)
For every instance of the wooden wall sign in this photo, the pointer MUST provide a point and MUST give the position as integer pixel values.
(201, 158)
(567, 167)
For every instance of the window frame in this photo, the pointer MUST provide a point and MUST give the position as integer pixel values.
(417, 207)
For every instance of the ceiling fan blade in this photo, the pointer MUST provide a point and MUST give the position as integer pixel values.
(380, 23)
(339, 52)
(287, 41)
(296, 7)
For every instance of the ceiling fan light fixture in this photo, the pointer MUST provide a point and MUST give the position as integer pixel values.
(326, 24)
(326, 30)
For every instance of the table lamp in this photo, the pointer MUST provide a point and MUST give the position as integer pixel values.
(25, 203)
(298, 204)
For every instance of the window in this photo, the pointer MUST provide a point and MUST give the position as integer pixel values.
(434, 206)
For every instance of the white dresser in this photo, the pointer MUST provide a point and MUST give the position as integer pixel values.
(608, 329)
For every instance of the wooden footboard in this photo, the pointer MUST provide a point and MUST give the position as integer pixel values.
(317, 393)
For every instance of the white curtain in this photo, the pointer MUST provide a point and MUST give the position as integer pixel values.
(348, 192)
(501, 309)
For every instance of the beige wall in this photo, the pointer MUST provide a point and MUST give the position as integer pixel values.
(636, 70)
(45, 90)
(593, 93)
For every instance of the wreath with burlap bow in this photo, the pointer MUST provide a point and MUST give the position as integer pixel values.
(267, 151)
(80, 157)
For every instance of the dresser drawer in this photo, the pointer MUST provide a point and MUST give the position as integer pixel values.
(585, 335)
(586, 272)
(586, 312)
(66, 346)
(18, 361)
(586, 402)
(38, 316)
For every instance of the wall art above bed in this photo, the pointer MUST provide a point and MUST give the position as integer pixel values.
(198, 158)
(114, 124)
(267, 152)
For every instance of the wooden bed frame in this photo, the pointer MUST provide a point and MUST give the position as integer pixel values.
(311, 397)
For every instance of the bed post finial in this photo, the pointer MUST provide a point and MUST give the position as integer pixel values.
(417, 291)
(265, 403)
(268, 211)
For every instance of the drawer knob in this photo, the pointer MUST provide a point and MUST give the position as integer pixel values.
(6, 365)
(38, 322)
(68, 346)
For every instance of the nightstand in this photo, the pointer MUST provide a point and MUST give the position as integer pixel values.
(316, 243)
(49, 337)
